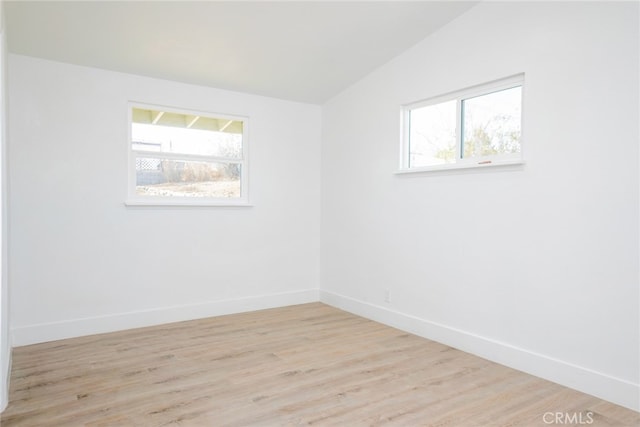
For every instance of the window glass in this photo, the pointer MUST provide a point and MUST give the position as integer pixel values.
(492, 123)
(169, 139)
(158, 177)
(181, 157)
(432, 139)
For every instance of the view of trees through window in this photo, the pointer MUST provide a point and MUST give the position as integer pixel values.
(490, 126)
(491, 123)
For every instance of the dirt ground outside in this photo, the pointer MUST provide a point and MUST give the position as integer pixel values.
(208, 189)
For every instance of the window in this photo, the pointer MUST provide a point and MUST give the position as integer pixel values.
(186, 158)
(476, 127)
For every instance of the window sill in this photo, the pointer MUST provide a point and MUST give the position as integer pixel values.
(186, 204)
(464, 166)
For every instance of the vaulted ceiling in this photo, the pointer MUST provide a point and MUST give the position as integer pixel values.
(304, 51)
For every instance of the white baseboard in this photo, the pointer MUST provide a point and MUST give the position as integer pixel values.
(4, 394)
(44, 332)
(615, 390)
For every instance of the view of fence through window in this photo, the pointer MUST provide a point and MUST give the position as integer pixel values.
(183, 155)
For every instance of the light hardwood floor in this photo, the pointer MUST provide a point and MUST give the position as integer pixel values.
(309, 364)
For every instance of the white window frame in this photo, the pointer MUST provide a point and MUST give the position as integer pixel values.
(459, 96)
(136, 200)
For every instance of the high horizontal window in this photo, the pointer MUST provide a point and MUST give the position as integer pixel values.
(480, 126)
(186, 158)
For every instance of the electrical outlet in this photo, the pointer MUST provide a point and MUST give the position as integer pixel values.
(387, 296)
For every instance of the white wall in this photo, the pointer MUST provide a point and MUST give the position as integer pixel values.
(5, 341)
(82, 262)
(535, 267)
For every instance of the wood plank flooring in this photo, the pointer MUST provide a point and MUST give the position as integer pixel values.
(309, 364)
